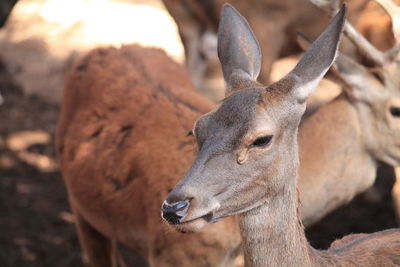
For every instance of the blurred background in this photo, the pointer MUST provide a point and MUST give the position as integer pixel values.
(41, 39)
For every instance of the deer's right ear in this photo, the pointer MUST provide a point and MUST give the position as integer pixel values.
(318, 59)
(359, 82)
(238, 50)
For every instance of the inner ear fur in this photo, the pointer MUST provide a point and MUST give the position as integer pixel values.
(317, 59)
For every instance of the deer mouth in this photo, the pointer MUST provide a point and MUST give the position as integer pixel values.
(190, 215)
(194, 225)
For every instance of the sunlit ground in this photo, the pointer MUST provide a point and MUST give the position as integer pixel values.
(42, 38)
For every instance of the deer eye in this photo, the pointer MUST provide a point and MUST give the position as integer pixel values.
(395, 111)
(262, 141)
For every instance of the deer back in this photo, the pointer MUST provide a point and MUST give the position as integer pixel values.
(122, 138)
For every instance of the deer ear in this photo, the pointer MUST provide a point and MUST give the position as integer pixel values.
(318, 58)
(359, 82)
(238, 49)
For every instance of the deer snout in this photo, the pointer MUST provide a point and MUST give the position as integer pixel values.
(173, 213)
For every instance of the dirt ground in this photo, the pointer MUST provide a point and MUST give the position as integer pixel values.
(36, 226)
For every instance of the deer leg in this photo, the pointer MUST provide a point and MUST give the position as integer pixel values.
(396, 194)
(99, 251)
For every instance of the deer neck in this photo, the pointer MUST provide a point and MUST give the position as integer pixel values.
(330, 158)
(272, 233)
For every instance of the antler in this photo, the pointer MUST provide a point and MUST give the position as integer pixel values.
(363, 45)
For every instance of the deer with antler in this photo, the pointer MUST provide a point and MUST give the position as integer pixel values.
(366, 114)
(372, 98)
(391, 76)
(123, 125)
(248, 159)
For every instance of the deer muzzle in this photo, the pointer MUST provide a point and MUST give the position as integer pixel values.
(173, 213)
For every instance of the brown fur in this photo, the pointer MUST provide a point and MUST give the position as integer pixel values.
(122, 139)
(329, 176)
(380, 249)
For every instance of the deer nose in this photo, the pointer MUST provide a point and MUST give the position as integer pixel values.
(173, 213)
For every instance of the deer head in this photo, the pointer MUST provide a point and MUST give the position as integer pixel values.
(375, 91)
(376, 96)
(247, 145)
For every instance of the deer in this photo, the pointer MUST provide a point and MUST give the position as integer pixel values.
(112, 150)
(122, 140)
(378, 141)
(247, 162)
(198, 20)
(367, 112)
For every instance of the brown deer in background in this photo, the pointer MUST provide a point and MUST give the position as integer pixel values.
(248, 159)
(197, 22)
(122, 144)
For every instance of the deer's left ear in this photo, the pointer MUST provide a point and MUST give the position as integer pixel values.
(318, 59)
(238, 50)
